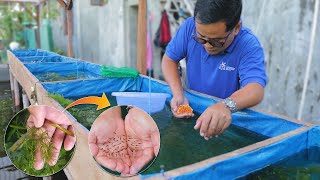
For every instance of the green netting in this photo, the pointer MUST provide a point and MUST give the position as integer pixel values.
(114, 72)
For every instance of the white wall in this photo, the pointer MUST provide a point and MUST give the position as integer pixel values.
(284, 29)
(107, 35)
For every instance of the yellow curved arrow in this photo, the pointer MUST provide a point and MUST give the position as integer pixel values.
(102, 101)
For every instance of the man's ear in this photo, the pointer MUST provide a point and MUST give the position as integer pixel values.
(238, 27)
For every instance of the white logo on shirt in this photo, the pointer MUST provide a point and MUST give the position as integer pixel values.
(224, 67)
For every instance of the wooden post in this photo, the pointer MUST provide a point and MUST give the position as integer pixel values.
(142, 37)
(12, 85)
(16, 96)
(25, 100)
(38, 19)
(70, 28)
(68, 9)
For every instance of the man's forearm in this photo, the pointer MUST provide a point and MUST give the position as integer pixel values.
(171, 75)
(248, 96)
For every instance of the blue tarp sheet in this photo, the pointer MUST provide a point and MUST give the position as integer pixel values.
(258, 122)
(238, 166)
(314, 137)
(39, 56)
(33, 52)
(46, 59)
(64, 67)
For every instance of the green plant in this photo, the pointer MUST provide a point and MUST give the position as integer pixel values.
(6, 114)
(33, 139)
(51, 10)
(12, 19)
(21, 144)
(59, 51)
(10, 24)
(85, 114)
(50, 76)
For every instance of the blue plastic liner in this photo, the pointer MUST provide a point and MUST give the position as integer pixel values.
(314, 137)
(33, 52)
(258, 122)
(63, 67)
(251, 161)
(237, 166)
(46, 59)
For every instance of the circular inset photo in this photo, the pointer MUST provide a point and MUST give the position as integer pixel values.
(40, 140)
(124, 140)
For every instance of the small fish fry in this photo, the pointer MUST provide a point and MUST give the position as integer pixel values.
(184, 109)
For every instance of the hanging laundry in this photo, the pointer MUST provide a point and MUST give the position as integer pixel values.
(163, 35)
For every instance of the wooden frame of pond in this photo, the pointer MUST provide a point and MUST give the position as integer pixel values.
(83, 166)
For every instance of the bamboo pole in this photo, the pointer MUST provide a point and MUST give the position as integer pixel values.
(142, 37)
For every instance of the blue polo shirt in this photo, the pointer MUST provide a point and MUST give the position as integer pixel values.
(222, 74)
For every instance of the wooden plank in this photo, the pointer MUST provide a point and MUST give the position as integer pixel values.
(142, 37)
(22, 75)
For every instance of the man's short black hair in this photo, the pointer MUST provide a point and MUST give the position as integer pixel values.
(212, 11)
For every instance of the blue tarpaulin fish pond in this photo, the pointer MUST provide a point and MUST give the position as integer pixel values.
(254, 141)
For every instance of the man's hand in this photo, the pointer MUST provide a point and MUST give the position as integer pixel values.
(213, 121)
(176, 101)
(171, 75)
(41, 117)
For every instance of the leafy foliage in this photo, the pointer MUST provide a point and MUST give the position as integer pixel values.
(6, 114)
(85, 114)
(23, 155)
(12, 19)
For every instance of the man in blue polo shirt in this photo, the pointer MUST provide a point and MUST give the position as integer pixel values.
(224, 59)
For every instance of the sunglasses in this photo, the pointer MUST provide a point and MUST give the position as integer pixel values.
(212, 42)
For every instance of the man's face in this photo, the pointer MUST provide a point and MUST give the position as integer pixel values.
(217, 35)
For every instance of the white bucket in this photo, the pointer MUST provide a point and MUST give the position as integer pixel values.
(141, 100)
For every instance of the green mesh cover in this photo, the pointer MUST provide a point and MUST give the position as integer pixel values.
(114, 72)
